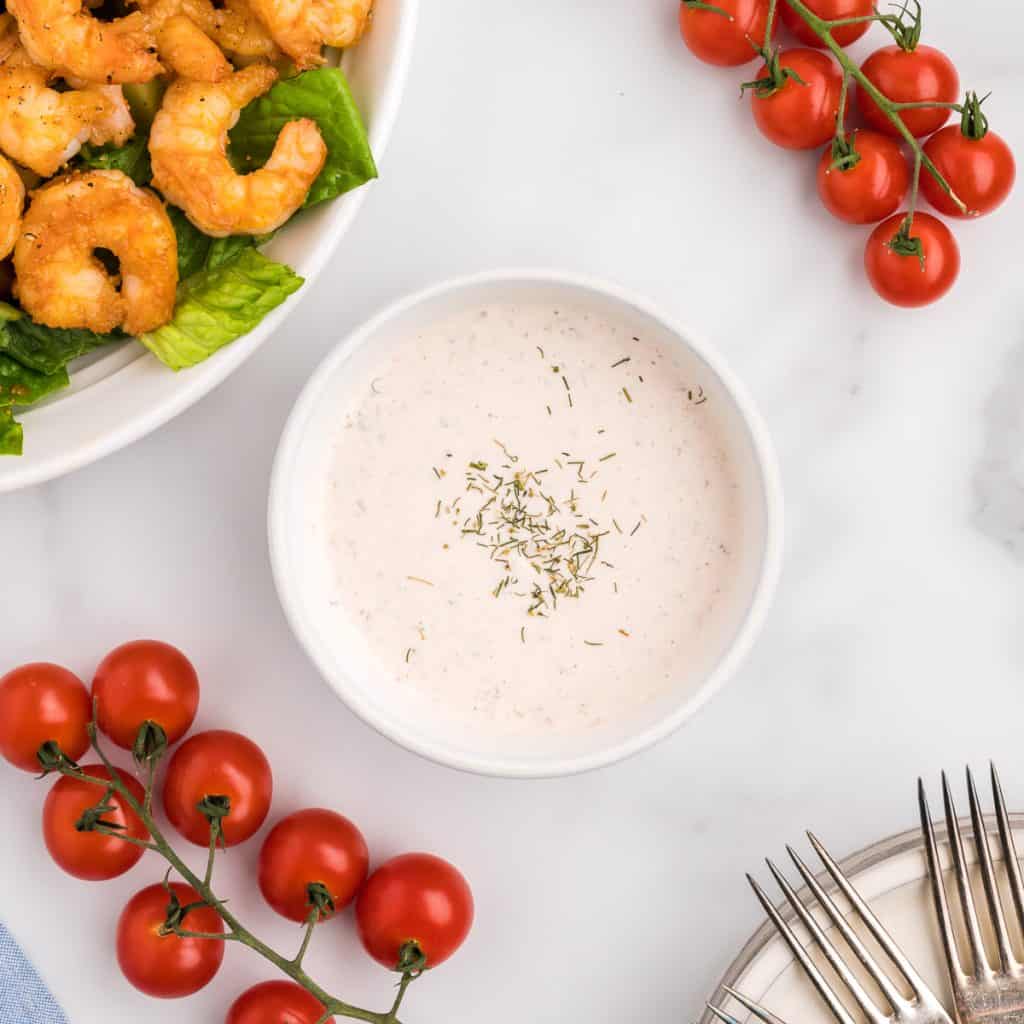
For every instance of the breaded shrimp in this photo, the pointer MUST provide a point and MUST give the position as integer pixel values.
(188, 144)
(64, 37)
(42, 128)
(12, 204)
(189, 52)
(59, 279)
(302, 27)
(233, 27)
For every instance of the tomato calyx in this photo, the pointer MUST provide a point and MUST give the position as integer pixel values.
(320, 901)
(905, 244)
(52, 759)
(150, 743)
(412, 961)
(905, 25)
(776, 76)
(215, 808)
(700, 5)
(176, 912)
(973, 122)
(844, 153)
(91, 819)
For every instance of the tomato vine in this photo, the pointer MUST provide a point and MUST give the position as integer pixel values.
(150, 751)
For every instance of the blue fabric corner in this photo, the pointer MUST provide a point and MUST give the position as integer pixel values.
(24, 999)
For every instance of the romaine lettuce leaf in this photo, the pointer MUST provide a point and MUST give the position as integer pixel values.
(10, 433)
(218, 304)
(323, 95)
(21, 386)
(46, 349)
(132, 158)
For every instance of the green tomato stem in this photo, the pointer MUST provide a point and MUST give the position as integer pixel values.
(823, 30)
(236, 931)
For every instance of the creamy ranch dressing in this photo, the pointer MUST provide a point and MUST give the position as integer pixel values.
(642, 453)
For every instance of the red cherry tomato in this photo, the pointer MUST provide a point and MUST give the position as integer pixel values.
(314, 845)
(830, 10)
(218, 763)
(145, 681)
(40, 703)
(915, 76)
(415, 898)
(901, 279)
(276, 1002)
(727, 40)
(166, 966)
(799, 116)
(872, 188)
(980, 171)
(91, 855)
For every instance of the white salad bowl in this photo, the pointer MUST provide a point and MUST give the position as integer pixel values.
(300, 562)
(124, 393)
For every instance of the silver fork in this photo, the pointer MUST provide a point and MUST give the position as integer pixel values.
(985, 992)
(920, 1007)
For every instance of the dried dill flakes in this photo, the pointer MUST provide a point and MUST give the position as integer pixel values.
(544, 545)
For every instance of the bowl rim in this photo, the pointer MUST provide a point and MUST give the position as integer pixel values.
(335, 675)
(183, 390)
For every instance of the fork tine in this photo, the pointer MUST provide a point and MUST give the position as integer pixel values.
(755, 1008)
(1009, 848)
(832, 955)
(938, 887)
(841, 1014)
(988, 878)
(894, 997)
(817, 979)
(724, 1017)
(867, 915)
(982, 969)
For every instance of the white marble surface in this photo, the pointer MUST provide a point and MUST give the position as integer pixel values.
(581, 136)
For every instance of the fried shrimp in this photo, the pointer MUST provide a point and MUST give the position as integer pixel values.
(188, 145)
(232, 26)
(61, 281)
(42, 128)
(189, 52)
(12, 203)
(63, 36)
(302, 27)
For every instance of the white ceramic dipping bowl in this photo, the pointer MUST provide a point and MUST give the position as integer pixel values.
(304, 575)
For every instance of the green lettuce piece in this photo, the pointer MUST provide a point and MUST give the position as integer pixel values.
(323, 95)
(132, 158)
(219, 304)
(10, 434)
(198, 251)
(21, 386)
(46, 349)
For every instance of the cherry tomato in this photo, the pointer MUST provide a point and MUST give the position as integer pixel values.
(91, 855)
(167, 966)
(872, 188)
(218, 763)
(910, 76)
(314, 845)
(41, 703)
(145, 681)
(799, 116)
(980, 171)
(901, 279)
(830, 10)
(415, 898)
(276, 1002)
(724, 40)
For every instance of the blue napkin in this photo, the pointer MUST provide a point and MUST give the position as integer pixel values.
(24, 999)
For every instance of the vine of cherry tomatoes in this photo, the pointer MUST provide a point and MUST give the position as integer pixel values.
(413, 912)
(872, 172)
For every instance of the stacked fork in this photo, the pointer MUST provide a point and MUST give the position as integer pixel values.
(984, 995)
